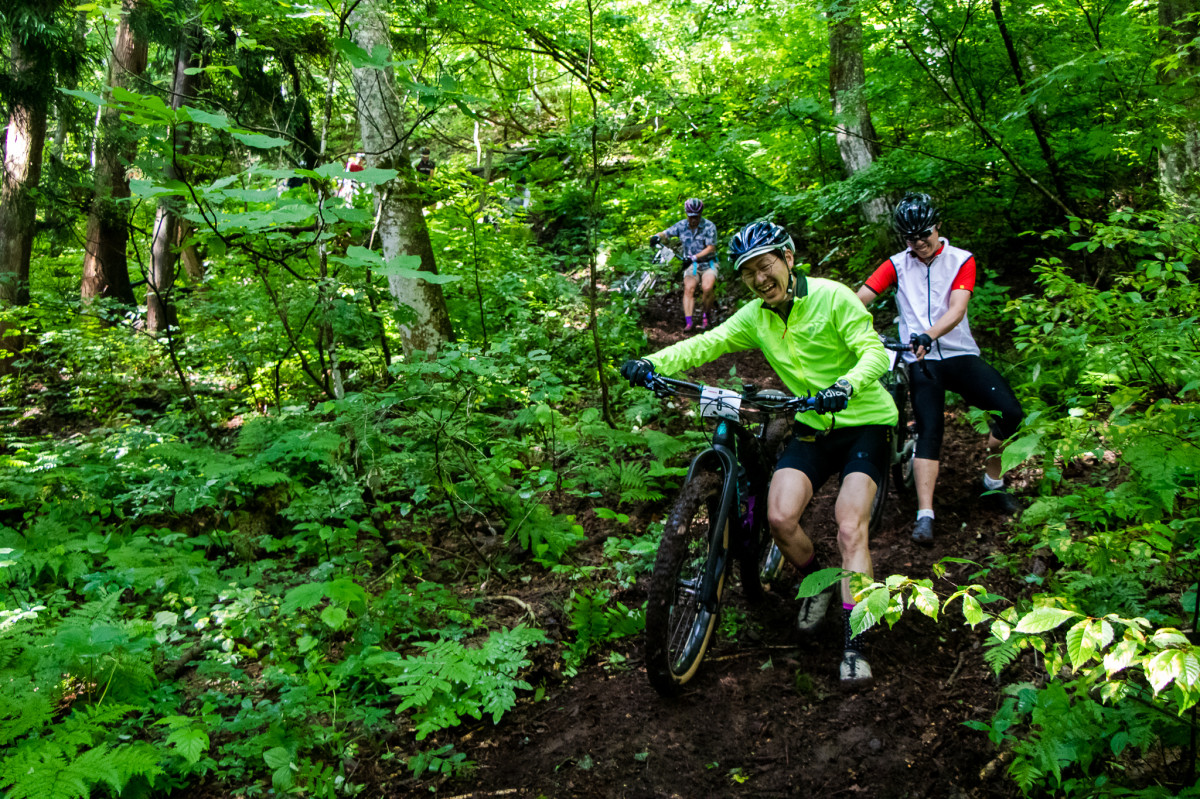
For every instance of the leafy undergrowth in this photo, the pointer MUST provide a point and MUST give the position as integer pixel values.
(353, 597)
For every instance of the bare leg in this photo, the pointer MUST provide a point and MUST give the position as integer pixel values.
(790, 493)
(925, 472)
(689, 293)
(992, 464)
(853, 514)
(707, 281)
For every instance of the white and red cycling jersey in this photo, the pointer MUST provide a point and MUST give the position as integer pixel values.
(923, 295)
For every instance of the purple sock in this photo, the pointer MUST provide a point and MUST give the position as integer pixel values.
(687, 320)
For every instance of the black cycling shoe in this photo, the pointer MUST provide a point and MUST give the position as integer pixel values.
(923, 531)
(1001, 501)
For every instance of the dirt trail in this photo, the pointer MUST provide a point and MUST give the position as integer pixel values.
(765, 716)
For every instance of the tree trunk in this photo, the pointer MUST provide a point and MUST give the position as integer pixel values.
(1179, 157)
(402, 228)
(856, 139)
(22, 171)
(160, 310)
(30, 89)
(105, 269)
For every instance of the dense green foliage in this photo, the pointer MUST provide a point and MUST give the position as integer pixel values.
(261, 545)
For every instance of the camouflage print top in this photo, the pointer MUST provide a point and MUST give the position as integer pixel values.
(694, 241)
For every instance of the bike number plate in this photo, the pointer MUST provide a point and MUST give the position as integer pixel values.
(720, 402)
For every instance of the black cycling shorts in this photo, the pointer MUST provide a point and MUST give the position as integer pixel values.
(842, 450)
(975, 381)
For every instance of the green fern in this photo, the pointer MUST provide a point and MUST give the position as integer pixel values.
(595, 620)
(451, 680)
(1000, 654)
(633, 480)
(70, 759)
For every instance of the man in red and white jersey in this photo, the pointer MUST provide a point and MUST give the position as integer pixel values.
(934, 281)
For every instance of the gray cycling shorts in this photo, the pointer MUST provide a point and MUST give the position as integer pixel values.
(701, 268)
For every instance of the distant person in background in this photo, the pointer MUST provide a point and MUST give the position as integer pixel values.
(698, 237)
(346, 187)
(425, 165)
(934, 282)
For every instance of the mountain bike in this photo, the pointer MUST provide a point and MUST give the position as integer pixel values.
(898, 382)
(719, 516)
(642, 282)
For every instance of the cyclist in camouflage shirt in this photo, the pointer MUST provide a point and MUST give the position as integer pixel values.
(698, 239)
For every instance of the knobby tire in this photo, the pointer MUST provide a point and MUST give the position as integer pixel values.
(678, 628)
(904, 441)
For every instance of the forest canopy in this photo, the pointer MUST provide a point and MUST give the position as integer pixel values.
(309, 323)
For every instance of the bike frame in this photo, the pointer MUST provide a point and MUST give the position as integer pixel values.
(731, 436)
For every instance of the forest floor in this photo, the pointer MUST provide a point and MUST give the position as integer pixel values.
(765, 716)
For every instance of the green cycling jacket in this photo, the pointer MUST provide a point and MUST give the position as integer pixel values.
(828, 335)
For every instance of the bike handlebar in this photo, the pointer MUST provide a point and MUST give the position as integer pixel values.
(750, 398)
(896, 345)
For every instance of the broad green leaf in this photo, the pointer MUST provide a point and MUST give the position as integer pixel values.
(304, 596)
(1017, 452)
(90, 97)
(1001, 629)
(818, 581)
(191, 742)
(1041, 620)
(259, 141)
(277, 757)
(151, 189)
(346, 592)
(924, 600)
(1162, 669)
(360, 58)
(1188, 670)
(371, 176)
(400, 266)
(1168, 636)
(972, 612)
(1120, 657)
(335, 616)
(1080, 647)
(218, 121)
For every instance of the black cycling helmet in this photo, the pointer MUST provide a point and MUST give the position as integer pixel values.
(914, 213)
(757, 238)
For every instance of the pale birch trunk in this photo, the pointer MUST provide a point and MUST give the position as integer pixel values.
(22, 171)
(105, 268)
(1179, 156)
(853, 130)
(402, 228)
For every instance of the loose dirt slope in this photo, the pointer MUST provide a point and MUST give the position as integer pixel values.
(765, 716)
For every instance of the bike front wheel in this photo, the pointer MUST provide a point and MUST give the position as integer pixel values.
(903, 439)
(679, 625)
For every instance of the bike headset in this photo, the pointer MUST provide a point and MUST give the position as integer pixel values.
(758, 238)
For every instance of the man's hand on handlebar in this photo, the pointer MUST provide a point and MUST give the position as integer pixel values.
(833, 399)
(638, 372)
(921, 344)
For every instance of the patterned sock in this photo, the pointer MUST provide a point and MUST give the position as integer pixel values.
(854, 642)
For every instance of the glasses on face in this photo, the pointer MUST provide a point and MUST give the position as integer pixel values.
(749, 272)
(918, 236)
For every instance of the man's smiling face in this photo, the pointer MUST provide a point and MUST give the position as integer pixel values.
(923, 246)
(768, 276)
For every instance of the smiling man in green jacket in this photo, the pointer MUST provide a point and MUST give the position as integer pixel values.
(820, 340)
